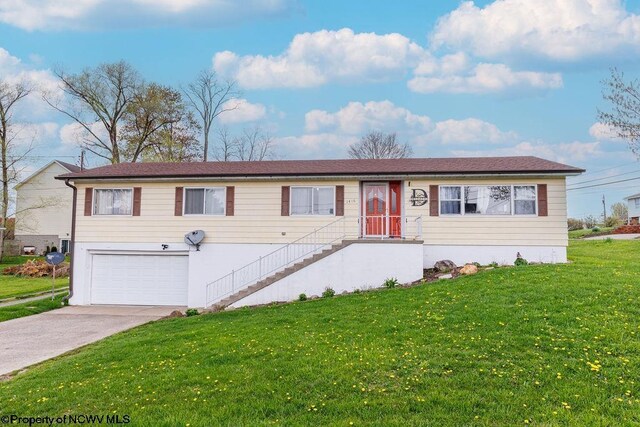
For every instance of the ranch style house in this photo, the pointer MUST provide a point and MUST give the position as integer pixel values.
(233, 234)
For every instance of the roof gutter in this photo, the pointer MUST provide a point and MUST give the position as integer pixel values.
(401, 176)
(72, 244)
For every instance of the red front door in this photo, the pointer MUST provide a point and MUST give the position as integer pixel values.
(382, 209)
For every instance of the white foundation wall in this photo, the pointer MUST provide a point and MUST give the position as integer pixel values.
(210, 263)
(503, 255)
(358, 266)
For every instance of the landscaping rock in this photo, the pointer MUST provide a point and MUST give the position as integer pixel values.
(445, 276)
(444, 265)
(469, 269)
(175, 313)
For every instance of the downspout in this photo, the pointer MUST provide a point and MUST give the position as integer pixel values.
(72, 244)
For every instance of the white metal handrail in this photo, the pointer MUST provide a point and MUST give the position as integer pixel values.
(364, 227)
(277, 260)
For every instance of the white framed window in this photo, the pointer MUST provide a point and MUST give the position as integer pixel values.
(637, 202)
(313, 201)
(112, 201)
(487, 200)
(451, 200)
(205, 201)
(524, 200)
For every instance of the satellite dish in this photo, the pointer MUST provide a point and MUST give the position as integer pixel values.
(54, 258)
(194, 238)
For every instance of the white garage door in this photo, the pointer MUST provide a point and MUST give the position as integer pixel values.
(139, 279)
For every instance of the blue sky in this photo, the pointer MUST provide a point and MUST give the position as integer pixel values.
(510, 77)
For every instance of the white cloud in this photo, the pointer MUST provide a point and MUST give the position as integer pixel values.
(73, 134)
(243, 112)
(602, 132)
(90, 14)
(563, 152)
(559, 30)
(313, 59)
(25, 134)
(315, 146)
(469, 131)
(483, 78)
(358, 118)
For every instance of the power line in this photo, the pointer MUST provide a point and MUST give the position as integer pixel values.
(600, 179)
(603, 184)
(609, 168)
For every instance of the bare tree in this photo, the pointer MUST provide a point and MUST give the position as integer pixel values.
(254, 144)
(209, 97)
(378, 145)
(624, 117)
(11, 94)
(620, 210)
(225, 149)
(98, 95)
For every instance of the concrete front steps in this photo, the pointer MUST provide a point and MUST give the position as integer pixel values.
(280, 275)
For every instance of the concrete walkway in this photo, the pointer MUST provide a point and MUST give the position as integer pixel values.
(32, 339)
(615, 237)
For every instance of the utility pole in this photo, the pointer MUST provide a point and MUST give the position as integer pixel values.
(604, 209)
(82, 160)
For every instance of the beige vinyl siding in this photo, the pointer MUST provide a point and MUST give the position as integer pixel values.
(257, 216)
(495, 230)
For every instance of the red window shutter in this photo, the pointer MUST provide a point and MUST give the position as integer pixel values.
(284, 211)
(231, 190)
(543, 209)
(178, 205)
(137, 199)
(339, 200)
(434, 201)
(88, 201)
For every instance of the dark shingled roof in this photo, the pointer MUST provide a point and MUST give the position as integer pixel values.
(428, 166)
(70, 167)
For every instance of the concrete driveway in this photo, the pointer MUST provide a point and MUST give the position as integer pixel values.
(36, 338)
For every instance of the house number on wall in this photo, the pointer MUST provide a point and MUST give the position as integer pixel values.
(418, 197)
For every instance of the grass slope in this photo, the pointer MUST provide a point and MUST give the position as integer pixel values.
(581, 234)
(29, 308)
(543, 345)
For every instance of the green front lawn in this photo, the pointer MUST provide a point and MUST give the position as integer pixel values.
(29, 308)
(542, 345)
(13, 287)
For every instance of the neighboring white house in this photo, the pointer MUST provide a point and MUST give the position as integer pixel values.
(633, 203)
(43, 209)
(276, 229)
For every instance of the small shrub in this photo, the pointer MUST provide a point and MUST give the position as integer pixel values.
(328, 293)
(608, 240)
(477, 264)
(302, 297)
(357, 291)
(54, 249)
(575, 224)
(47, 249)
(590, 221)
(613, 222)
(192, 312)
(391, 283)
(595, 229)
(493, 264)
(520, 261)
